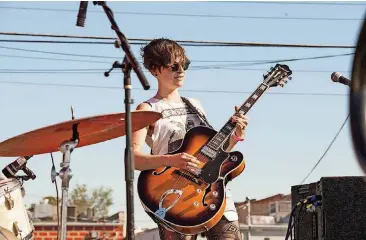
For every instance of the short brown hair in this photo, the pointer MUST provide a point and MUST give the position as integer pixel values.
(162, 52)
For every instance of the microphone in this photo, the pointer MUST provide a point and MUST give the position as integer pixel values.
(337, 77)
(82, 13)
(19, 164)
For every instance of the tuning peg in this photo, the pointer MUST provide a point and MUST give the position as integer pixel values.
(289, 78)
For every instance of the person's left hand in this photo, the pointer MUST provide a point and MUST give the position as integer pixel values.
(241, 123)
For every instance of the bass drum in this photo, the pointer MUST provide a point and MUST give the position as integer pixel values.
(13, 214)
(357, 99)
(5, 234)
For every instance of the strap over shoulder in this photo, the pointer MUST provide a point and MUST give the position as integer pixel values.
(199, 113)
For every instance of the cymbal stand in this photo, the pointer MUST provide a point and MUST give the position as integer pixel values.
(66, 147)
(65, 174)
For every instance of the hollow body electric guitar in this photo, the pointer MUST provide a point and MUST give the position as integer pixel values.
(193, 202)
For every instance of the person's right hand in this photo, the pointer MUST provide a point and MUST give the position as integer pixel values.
(184, 161)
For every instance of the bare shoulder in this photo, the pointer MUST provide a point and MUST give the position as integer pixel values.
(144, 106)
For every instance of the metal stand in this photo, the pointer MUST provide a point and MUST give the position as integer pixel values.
(129, 161)
(129, 62)
(65, 174)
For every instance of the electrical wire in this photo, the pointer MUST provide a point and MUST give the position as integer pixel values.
(183, 90)
(143, 41)
(193, 15)
(331, 143)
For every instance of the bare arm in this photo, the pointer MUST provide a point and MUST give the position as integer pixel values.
(146, 161)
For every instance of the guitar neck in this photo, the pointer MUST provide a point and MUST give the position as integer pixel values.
(229, 126)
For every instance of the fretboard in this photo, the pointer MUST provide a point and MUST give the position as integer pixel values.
(229, 126)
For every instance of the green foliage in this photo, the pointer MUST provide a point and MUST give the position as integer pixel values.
(100, 200)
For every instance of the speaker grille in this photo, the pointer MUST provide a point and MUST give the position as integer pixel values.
(343, 212)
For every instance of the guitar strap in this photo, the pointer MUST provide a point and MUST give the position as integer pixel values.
(202, 116)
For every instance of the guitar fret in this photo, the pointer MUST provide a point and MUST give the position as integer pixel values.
(227, 129)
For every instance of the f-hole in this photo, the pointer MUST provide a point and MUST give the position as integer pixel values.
(207, 190)
(155, 173)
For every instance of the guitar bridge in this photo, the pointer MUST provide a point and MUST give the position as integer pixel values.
(188, 176)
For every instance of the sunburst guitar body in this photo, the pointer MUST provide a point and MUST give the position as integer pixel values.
(190, 202)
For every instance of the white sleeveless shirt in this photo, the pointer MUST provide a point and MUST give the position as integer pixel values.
(177, 119)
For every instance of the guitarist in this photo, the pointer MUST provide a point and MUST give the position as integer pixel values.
(167, 62)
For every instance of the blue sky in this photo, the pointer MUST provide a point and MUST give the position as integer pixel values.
(286, 134)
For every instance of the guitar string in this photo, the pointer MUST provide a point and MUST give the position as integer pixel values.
(180, 178)
(200, 156)
(180, 182)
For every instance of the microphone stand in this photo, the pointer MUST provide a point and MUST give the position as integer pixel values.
(129, 62)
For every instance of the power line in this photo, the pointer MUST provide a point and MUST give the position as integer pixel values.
(59, 53)
(54, 59)
(110, 57)
(202, 67)
(183, 90)
(273, 61)
(193, 15)
(142, 41)
(95, 70)
(238, 61)
(305, 3)
(331, 143)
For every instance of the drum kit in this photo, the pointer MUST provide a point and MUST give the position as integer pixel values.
(66, 136)
(15, 222)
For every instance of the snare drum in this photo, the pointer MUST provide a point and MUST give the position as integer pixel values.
(13, 214)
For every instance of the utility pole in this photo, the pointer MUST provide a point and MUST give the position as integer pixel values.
(249, 219)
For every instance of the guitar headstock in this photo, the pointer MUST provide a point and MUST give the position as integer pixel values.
(277, 76)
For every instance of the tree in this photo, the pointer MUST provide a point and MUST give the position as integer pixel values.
(51, 200)
(100, 200)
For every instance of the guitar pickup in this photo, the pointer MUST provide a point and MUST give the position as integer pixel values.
(188, 176)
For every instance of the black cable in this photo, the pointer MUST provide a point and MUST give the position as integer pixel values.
(290, 226)
(57, 202)
(331, 143)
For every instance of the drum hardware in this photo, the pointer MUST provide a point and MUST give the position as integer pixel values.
(29, 175)
(64, 137)
(9, 202)
(13, 215)
(129, 63)
(16, 230)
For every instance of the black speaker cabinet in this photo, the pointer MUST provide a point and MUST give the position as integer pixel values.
(343, 211)
(305, 222)
(342, 214)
